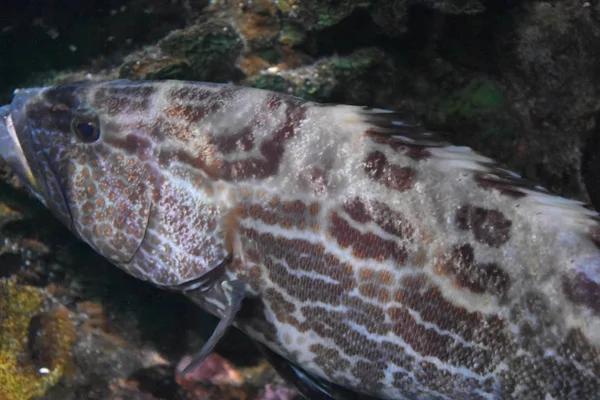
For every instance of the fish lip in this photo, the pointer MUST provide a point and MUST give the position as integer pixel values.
(11, 149)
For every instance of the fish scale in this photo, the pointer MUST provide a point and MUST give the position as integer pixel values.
(365, 255)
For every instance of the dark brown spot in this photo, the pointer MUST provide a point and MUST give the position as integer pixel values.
(191, 113)
(124, 99)
(240, 141)
(133, 144)
(392, 176)
(193, 93)
(357, 211)
(490, 227)
(582, 290)
(367, 245)
(398, 178)
(387, 219)
(375, 164)
(274, 102)
(477, 277)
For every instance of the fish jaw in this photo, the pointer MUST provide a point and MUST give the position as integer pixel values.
(11, 149)
(23, 147)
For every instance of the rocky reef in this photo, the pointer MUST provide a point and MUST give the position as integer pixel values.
(516, 80)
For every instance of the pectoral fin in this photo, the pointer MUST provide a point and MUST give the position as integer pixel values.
(234, 294)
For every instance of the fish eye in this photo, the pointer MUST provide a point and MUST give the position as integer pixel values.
(86, 129)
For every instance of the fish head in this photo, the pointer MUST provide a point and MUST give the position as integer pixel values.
(60, 145)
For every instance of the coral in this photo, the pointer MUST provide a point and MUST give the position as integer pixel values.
(36, 338)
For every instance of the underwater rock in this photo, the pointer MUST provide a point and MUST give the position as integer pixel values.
(206, 51)
(553, 70)
(36, 339)
(329, 79)
(390, 16)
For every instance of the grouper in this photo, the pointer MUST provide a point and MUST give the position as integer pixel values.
(367, 257)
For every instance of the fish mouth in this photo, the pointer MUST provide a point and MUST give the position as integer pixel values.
(11, 150)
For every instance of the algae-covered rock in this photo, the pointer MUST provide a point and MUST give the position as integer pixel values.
(344, 78)
(391, 16)
(36, 339)
(207, 51)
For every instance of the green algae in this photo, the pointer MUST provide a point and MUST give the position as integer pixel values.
(291, 34)
(270, 82)
(210, 49)
(476, 97)
(317, 82)
(36, 339)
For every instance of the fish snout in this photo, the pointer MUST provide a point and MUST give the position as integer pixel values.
(11, 150)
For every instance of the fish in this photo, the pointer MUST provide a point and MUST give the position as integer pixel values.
(367, 257)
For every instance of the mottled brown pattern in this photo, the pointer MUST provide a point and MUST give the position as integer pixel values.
(189, 113)
(367, 245)
(427, 299)
(390, 175)
(488, 226)
(315, 180)
(251, 168)
(427, 341)
(274, 102)
(477, 277)
(357, 211)
(241, 141)
(124, 100)
(414, 293)
(373, 290)
(536, 377)
(383, 276)
(370, 373)
(133, 144)
(577, 348)
(291, 251)
(279, 305)
(292, 214)
(196, 94)
(65, 98)
(392, 222)
(329, 359)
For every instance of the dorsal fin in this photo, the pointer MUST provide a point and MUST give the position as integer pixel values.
(385, 127)
(390, 124)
